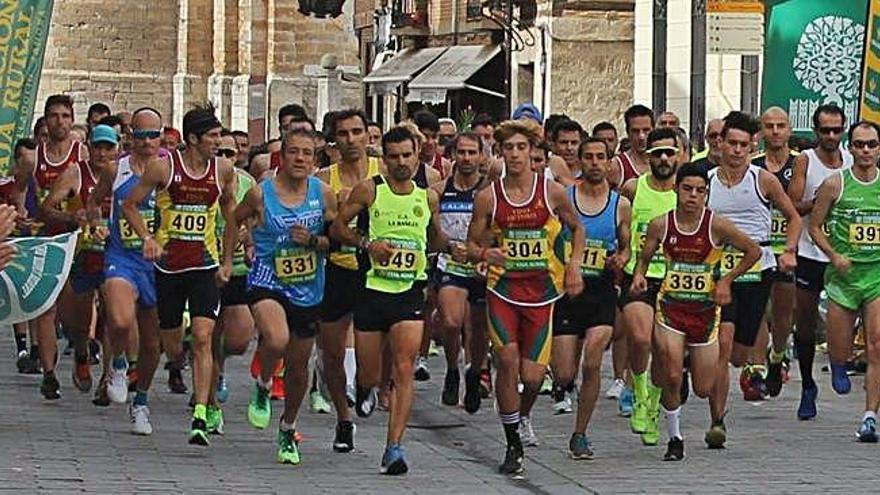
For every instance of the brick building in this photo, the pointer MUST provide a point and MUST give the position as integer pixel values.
(248, 57)
(573, 57)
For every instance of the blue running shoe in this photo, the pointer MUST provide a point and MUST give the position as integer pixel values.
(868, 431)
(625, 403)
(807, 408)
(222, 390)
(393, 462)
(839, 379)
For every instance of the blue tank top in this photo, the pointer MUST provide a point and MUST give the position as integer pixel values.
(601, 230)
(281, 265)
(124, 241)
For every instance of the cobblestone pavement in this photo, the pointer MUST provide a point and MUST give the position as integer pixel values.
(71, 446)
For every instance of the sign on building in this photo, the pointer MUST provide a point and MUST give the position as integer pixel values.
(870, 99)
(735, 27)
(813, 56)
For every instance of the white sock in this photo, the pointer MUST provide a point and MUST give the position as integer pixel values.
(350, 366)
(285, 426)
(264, 385)
(869, 414)
(673, 426)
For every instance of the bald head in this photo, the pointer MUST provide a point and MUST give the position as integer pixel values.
(146, 119)
(775, 129)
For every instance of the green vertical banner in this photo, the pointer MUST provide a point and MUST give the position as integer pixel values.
(24, 27)
(812, 56)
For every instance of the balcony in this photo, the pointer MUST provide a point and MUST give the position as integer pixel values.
(410, 18)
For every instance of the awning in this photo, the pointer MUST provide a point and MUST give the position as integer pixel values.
(388, 76)
(451, 71)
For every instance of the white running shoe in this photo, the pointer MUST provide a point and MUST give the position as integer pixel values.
(615, 389)
(563, 406)
(117, 388)
(140, 420)
(526, 433)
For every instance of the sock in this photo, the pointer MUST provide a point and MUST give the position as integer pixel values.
(869, 415)
(264, 385)
(640, 385)
(285, 426)
(673, 422)
(806, 351)
(200, 412)
(119, 362)
(510, 421)
(776, 357)
(20, 343)
(140, 398)
(350, 364)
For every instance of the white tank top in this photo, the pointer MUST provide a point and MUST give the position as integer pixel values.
(817, 172)
(745, 206)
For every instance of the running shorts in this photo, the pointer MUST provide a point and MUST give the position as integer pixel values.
(528, 326)
(302, 321)
(174, 290)
(595, 306)
(858, 287)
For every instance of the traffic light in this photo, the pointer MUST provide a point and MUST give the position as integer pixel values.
(321, 8)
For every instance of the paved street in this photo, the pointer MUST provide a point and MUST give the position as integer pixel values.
(71, 446)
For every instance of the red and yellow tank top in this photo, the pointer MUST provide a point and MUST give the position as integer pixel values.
(628, 169)
(274, 161)
(47, 172)
(530, 235)
(188, 207)
(691, 260)
(346, 257)
(91, 251)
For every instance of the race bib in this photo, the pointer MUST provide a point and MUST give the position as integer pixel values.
(188, 222)
(295, 265)
(691, 281)
(778, 232)
(526, 249)
(446, 264)
(90, 241)
(731, 258)
(865, 233)
(658, 260)
(595, 255)
(130, 239)
(404, 262)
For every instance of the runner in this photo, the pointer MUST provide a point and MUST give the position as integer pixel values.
(286, 282)
(431, 151)
(710, 157)
(635, 162)
(668, 119)
(744, 194)
(777, 159)
(524, 212)
(607, 132)
(652, 195)
(461, 291)
(850, 199)
(390, 309)
(565, 137)
(52, 157)
(584, 324)
(689, 305)
(74, 187)
(811, 168)
(191, 187)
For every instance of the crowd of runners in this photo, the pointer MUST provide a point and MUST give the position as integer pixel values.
(525, 248)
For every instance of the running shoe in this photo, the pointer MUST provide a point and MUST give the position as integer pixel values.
(717, 435)
(513, 461)
(82, 375)
(472, 393)
(259, 409)
(101, 399)
(277, 392)
(651, 436)
(117, 388)
(625, 403)
(434, 349)
(22, 362)
(50, 388)
(674, 450)
(198, 433)
(422, 374)
(527, 433)
(638, 421)
(744, 378)
(176, 384)
(562, 402)
(288, 451)
(807, 408)
(485, 384)
(840, 379)
(350, 396)
(222, 390)
(685, 386)
(451, 383)
(393, 460)
(214, 419)
(344, 441)
(366, 402)
(318, 404)
(868, 431)
(757, 389)
(546, 385)
(140, 420)
(33, 367)
(615, 389)
(774, 379)
(580, 447)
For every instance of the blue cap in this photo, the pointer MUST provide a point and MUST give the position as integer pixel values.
(528, 111)
(103, 134)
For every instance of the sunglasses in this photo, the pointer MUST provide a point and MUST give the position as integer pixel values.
(146, 133)
(226, 152)
(830, 130)
(661, 151)
(865, 144)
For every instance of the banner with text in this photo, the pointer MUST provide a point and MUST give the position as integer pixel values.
(869, 109)
(24, 27)
(812, 56)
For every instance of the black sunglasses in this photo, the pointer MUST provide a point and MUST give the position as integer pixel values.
(226, 152)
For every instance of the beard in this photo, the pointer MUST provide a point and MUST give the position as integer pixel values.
(662, 171)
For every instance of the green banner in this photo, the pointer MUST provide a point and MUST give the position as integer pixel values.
(24, 27)
(32, 281)
(812, 56)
